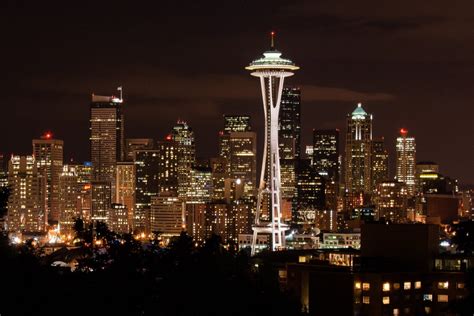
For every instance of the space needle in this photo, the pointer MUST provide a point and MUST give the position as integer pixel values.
(272, 70)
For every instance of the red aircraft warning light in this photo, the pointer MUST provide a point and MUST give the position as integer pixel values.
(403, 131)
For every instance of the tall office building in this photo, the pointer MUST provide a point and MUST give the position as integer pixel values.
(326, 153)
(183, 135)
(238, 147)
(25, 212)
(132, 144)
(3, 172)
(310, 195)
(219, 173)
(48, 153)
(168, 176)
(167, 214)
(118, 220)
(406, 163)
(84, 172)
(289, 123)
(125, 189)
(107, 136)
(379, 162)
(236, 123)
(69, 193)
(147, 170)
(200, 185)
(100, 200)
(391, 201)
(243, 160)
(358, 153)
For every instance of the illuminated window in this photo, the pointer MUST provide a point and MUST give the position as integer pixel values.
(366, 286)
(428, 297)
(418, 285)
(406, 285)
(386, 300)
(396, 312)
(366, 299)
(396, 286)
(443, 285)
(357, 285)
(442, 298)
(460, 285)
(427, 310)
(386, 287)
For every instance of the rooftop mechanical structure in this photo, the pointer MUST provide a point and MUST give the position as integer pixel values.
(272, 70)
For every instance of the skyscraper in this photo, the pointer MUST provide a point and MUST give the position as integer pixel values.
(107, 136)
(48, 153)
(183, 135)
(310, 195)
(69, 192)
(391, 201)
(237, 123)
(271, 69)
(406, 163)
(289, 124)
(358, 152)
(326, 153)
(167, 214)
(100, 200)
(147, 170)
(379, 162)
(132, 144)
(125, 189)
(168, 175)
(25, 212)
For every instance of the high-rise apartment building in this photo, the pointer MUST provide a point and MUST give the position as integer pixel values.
(358, 152)
(48, 153)
(107, 137)
(379, 162)
(25, 212)
(147, 169)
(406, 161)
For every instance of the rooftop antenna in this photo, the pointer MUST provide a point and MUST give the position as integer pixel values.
(121, 95)
(272, 45)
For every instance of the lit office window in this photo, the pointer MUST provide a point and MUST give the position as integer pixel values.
(386, 300)
(442, 298)
(386, 287)
(418, 285)
(428, 297)
(366, 299)
(406, 285)
(366, 286)
(443, 285)
(396, 312)
(396, 286)
(357, 285)
(460, 285)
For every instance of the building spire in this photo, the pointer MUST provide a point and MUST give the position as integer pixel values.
(272, 44)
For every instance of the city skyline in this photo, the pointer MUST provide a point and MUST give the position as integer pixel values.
(340, 68)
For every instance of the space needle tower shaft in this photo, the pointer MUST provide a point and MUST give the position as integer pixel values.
(272, 70)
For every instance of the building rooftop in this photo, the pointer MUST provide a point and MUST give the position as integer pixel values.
(359, 112)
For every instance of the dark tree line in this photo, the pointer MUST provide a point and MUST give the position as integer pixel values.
(127, 277)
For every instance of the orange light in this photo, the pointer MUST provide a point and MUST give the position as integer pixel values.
(87, 187)
(168, 137)
(403, 131)
(48, 135)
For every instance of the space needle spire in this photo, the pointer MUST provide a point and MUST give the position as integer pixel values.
(272, 70)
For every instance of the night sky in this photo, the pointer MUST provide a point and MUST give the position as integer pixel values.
(411, 63)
